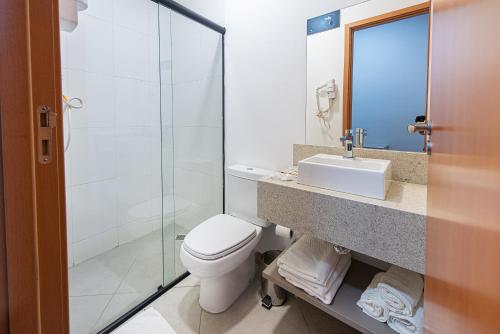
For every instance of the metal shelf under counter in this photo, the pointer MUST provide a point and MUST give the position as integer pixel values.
(343, 306)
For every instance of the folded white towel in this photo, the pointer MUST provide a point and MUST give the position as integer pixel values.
(405, 324)
(310, 259)
(401, 289)
(319, 289)
(149, 321)
(371, 303)
(327, 294)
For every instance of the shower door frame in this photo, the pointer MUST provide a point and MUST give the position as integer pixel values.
(180, 9)
(35, 268)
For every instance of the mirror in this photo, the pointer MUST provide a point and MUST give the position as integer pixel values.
(367, 68)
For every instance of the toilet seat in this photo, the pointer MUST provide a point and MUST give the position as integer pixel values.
(218, 236)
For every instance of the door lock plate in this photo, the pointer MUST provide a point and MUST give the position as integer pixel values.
(46, 119)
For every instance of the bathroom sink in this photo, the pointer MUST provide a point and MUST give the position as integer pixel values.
(358, 176)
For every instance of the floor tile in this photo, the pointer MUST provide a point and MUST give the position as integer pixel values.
(117, 306)
(248, 316)
(94, 277)
(145, 276)
(180, 307)
(85, 312)
(149, 246)
(189, 281)
(136, 267)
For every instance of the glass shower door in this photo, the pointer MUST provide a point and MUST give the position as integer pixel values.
(192, 128)
(145, 162)
(113, 162)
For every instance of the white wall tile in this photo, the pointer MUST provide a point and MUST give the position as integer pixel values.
(67, 166)
(90, 46)
(196, 50)
(102, 9)
(134, 230)
(165, 45)
(197, 188)
(69, 226)
(92, 155)
(133, 151)
(64, 79)
(64, 49)
(156, 151)
(167, 151)
(154, 58)
(166, 101)
(94, 209)
(164, 29)
(95, 245)
(131, 54)
(198, 103)
(154, 104)
(188, 219)
(96, 91)
(156, 193)
(198, 149)
(133, 199)
(139, 15)
(133, 107)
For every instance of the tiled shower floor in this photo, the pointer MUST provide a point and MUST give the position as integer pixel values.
(104, 287)
(179, 306)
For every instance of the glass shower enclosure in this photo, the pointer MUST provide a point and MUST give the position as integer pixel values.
(144, 158)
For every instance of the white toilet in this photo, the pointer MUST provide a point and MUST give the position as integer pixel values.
(220, 251)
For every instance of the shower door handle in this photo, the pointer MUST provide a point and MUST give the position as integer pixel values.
(46, 119)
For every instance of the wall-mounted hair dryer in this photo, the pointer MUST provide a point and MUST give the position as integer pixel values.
(327, 90)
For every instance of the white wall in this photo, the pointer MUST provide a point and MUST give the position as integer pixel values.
(111, 62)
(213, 10)
(266, 78)
(325, 60)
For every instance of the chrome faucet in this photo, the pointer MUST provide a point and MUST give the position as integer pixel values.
(360, 137)
(346, 140)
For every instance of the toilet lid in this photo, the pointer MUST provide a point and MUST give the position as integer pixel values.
(218, 236)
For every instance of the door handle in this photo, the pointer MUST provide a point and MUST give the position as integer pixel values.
(420, 127)
(425, 129)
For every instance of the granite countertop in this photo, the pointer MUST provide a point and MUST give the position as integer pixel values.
(391, 230)
(402, 196)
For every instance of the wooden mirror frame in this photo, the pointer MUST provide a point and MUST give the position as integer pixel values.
(348, 52)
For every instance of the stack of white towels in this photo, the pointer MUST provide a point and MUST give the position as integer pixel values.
(395, 297)
(314, 266)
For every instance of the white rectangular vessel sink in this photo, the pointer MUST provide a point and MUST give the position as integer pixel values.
(358, 176)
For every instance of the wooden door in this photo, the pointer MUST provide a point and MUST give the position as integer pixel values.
(34, 240)
(462, 290)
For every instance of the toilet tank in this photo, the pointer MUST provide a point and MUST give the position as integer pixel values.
(242, 192)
